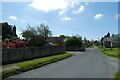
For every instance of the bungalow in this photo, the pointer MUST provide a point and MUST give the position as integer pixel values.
(111, 42)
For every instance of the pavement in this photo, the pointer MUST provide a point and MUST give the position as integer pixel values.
(90, 64)
(9, 68)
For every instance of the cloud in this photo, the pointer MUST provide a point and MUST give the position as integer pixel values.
(98, 16)
(117, 16)
(81, 9)
(75, 2)
(86, 3)
(23, 20)
(42, 22)
(12, 17)
(49, 5)
(67, 18)
(62, 12)
(15, 0)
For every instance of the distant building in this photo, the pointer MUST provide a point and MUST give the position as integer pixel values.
(55, 40)
(111, 42)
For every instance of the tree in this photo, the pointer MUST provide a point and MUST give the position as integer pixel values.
(36, 36)
(85, 39)
(62, 36)
(43, 30)
(27, 34)
(7, 31)
(108, 35)
(74, 42)
(113, 35)
(102, 41)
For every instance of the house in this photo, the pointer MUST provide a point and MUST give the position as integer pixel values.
(55, 40)
(113, 42)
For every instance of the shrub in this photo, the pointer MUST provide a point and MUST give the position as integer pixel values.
(13, 44)
(36, 41)
(6, 40)
(73, 41)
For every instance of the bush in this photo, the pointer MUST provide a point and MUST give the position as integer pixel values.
(36, 41)
(74, 42)
(13, 44)
(6, 40)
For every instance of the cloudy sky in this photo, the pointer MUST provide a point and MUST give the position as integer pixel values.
(87, 19)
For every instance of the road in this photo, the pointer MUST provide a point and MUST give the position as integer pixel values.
(89, 64)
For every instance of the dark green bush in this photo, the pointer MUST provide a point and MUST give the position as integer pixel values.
(36, 41)
(74, 42)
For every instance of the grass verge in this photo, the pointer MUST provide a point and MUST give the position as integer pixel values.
(117, 75)
(33, 64)
(114, 52)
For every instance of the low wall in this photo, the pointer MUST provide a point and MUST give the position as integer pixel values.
(75, 48)
(23, 54)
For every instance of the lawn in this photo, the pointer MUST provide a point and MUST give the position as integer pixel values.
(32, 64)
(114, 52)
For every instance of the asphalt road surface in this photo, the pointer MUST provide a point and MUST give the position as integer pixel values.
(89, 64)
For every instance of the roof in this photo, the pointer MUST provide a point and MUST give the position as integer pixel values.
(112, 39)
(55, 39)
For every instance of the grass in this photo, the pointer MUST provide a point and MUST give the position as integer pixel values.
(32, 64)
(114, 52)
(117, 75)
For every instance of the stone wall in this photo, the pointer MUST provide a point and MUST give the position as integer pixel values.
(23, 54)
(75, 48)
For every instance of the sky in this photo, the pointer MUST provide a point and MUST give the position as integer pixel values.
(69, 17)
